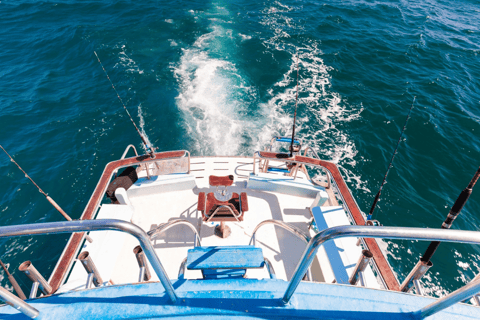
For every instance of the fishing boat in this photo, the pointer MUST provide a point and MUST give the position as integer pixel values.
(168, 235)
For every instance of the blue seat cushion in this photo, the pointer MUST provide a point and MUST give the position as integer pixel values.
(225, 257)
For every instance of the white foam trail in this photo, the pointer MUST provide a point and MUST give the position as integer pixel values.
(214, 98)
(142, 127)
(322, 111)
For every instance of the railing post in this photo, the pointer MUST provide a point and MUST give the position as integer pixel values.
(18, 303)
(270, 269)
(181, 270)
(301, 269)
(97, 225)
(142, 264)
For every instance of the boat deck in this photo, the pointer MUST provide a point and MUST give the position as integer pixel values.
(161, 199)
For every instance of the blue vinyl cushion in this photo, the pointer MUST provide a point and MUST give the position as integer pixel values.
(228, 257)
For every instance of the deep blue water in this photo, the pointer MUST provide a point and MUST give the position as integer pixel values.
(219, 78)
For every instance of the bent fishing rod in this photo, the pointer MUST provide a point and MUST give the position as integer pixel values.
(147, 146)
(377, 197)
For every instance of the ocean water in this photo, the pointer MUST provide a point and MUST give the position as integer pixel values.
(219, 78)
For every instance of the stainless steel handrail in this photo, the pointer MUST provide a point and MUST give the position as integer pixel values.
(465, 292)
(460, 236)
(313, 151)
(327, 172)
(128, 148)
(153, 234)
(147, 163)
(96, 225)
(290, 228)
(223, 207)
(18, 303)
(123, 156)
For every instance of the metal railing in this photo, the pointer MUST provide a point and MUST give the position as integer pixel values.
(128, 148)
(147, 168)
(331, 183)
(290, 228)
(92, 225)
(18, 303)
(155, 233)
(460, 236)
(327, 173)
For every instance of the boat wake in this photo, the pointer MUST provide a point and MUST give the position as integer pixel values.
(322, 113)
(215, 99)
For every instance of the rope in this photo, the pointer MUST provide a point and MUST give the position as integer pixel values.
(126, 110)
(377, 197)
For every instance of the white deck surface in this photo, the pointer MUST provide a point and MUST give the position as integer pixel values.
(282, 248)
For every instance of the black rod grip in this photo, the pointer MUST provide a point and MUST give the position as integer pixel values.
(374, 203)
(454, 212)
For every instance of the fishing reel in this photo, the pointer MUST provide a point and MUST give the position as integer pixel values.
(374, 223)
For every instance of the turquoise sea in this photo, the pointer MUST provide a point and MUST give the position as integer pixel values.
(219, 77)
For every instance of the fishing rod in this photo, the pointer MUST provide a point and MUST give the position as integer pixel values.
(377, 197)
(295, 115)
(454, 212)
(147, 147)
(424, 264)
(14, 283)
(52, 202)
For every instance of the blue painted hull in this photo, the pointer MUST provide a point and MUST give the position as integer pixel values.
(236, 298)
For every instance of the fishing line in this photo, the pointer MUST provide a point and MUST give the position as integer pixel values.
(147, 147)
(377, 197)
(295, 114)
(52, 202)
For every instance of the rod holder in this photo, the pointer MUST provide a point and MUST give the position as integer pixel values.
(90, 267)
(416, 274)
(32, 273)
(142, 264)
(18, 303)
(360, 267)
